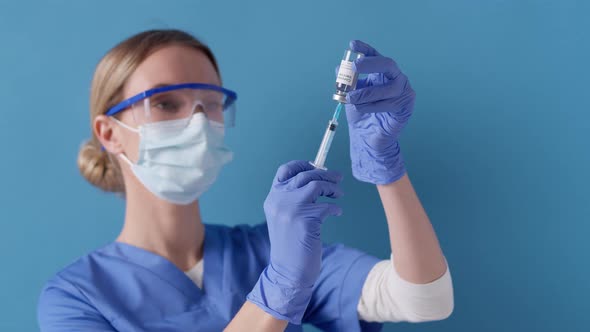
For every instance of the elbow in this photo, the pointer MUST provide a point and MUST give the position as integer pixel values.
(445, 308)
(435, 302)
(433, 309)
(446, 301)
(392, 299)
(448, 309)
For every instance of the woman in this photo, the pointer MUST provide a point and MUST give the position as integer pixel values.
(158, 115)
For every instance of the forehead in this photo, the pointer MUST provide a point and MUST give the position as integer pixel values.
(171, 65)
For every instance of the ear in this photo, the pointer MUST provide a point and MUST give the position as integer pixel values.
(103, 128)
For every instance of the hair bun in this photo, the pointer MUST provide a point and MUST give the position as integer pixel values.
(97, 167)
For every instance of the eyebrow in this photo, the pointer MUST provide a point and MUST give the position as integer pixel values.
(159, 85)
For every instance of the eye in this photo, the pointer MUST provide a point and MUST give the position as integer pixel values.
(214, 107)
(167, 105)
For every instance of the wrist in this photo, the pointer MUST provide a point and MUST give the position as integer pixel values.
(280, 297)
(378, 167)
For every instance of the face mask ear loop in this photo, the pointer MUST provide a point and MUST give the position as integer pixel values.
(121, 155)
(125, 159)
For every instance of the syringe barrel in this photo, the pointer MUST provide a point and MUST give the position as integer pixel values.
(322, 154)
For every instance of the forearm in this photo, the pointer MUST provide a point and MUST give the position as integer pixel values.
(252, 318)
(417, 254)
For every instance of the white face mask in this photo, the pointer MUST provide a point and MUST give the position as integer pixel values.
(178, 161)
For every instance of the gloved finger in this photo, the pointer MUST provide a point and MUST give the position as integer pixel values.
(352, 114)
(314, 189)
(328, 209)
(377, 64)
(362, 47)
(375, 93)
(303, 178)
(400, 107)
(362, 82)
(292, 168)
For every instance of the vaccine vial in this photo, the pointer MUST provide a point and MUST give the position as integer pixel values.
(347, 76)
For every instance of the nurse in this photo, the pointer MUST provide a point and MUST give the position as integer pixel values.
(158, 114)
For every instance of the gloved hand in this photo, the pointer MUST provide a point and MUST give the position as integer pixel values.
(377, 111)
(294, 221)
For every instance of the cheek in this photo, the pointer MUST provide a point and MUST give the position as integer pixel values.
(129, 139)
(130, 143)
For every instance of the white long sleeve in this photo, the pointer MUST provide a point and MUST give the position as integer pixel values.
(386, 297)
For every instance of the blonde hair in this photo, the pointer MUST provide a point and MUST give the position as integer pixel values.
(110, 76)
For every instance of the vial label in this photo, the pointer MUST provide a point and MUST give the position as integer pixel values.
(345, 73)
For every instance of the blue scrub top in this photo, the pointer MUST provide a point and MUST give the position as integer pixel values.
(121, 287)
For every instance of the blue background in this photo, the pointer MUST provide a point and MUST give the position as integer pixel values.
(497, 148)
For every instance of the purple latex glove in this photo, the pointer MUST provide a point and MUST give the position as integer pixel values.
(377, 111)
(294, 220)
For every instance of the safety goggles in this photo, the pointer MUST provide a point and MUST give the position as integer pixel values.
(181, 101)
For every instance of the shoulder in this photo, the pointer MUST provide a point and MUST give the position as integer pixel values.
(83, 270)
(88, 267)
(65, 294)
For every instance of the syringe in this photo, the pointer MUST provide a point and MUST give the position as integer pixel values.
(346, 80)
(320, 158)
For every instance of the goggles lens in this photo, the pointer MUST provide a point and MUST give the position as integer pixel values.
(181, 102)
